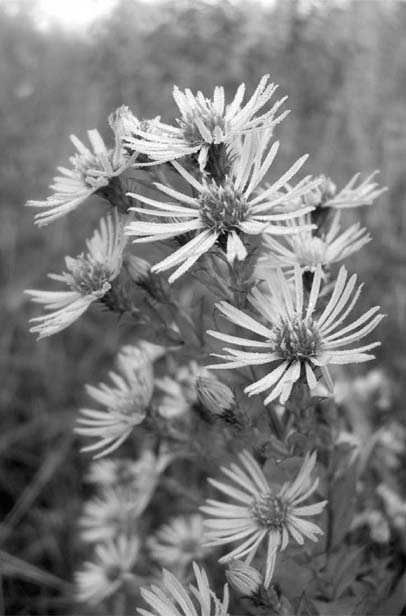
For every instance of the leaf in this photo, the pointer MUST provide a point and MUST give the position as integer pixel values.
(347, 571)
(306, 607)
(396, 601)
(341, 607)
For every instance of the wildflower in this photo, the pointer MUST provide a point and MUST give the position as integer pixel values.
(297, 341)
(93, 172)
(326, 195)
(262, 513)
(221, 212)
(88, 278)
(106, 516)
(174, 599)
(206, 123)
(125, 402)
(179, 542)
(308, 250)
(111, 568)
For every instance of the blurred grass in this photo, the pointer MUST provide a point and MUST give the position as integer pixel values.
(344, 72)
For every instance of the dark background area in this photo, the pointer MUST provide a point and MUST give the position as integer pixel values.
(343, 68)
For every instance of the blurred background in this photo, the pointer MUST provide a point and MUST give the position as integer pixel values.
(64, 66)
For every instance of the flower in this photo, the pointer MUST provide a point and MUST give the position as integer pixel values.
(111, 513)
(125, 402)
(262, 513)
(174, 600)
(325, 195)
(215, 396)
(111, 568)
(221, 211)
(88, 278)
(299, 342)
(179, 542)
(92, 172)
(207, 122)
(308, 250)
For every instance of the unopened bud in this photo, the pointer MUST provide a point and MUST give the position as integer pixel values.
(244, 579)
(214, 396)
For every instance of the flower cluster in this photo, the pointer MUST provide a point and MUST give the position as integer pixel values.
(252, 255)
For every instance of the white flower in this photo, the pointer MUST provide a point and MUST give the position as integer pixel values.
(221, 212)
(262, 513)
(112, 567)
(92, 172)
(308, 250)
(125, 402)
(325, 195)
(88, 279)
(205, 123)
(108, 515)
(179, 542)
(295, 339)
(174, 599)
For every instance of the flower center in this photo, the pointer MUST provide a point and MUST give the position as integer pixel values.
(311, 252)
(88, 278)
(296, 339)
(269, 511)
(222, 208)
(130, 404)
(213, 122)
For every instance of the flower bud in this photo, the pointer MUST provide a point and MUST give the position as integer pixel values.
(214, 396)
(244, 579)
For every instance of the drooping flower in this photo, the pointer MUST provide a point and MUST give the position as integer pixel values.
(296, 339)
(179, 542)
(222, 212)
(262, 514)
(112, 566)
(309, 250)
(174, 600)
(326, 195)
(125, 402)
(94, 171)
(88, 279)
(207, 122)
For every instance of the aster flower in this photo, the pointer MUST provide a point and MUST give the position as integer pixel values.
(262, 513)
(308, 250)
(179, 542)
(125, 402)
(207, 122)
(108, 515)
(222, 211)
(174, 600)
(326, 195)
(88, 279)
(93, 171)
(295, 339)
(111, 568)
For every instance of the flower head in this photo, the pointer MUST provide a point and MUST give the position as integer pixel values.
(179, 393)
(262, 513)
(111, 567)
(207, 122)
(309, 250)
(109, 514)
(179, 542)
(88, 279)
(326, 195)
(296, 340)
(174, 600)
(125, 402)
(222, 212)
(93, 171)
